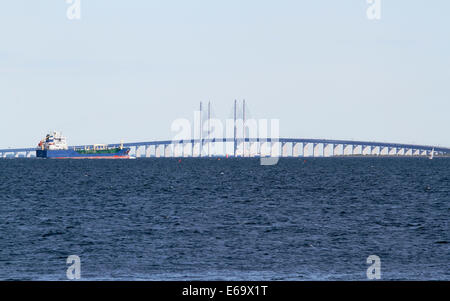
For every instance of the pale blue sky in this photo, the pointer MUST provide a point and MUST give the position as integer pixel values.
(127, 69)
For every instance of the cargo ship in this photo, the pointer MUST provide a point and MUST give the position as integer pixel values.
(54, 146)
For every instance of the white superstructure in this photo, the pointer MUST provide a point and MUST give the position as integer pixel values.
(53, 141)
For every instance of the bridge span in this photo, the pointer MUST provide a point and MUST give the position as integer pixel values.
(241, 145)
(260, 147)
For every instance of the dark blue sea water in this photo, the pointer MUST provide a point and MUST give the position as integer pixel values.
(229, 219)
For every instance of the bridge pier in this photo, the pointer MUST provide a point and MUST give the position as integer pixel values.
(196, 149)
(384, 151)
(245, 149)
(264, 148)
(176, 150)
(401, 152)
(228, 148)
(416, 152)
(366, 150)
(239, 149)
(158, 150)
(357, 150)
(254, 151)
(275, 151)
(209, 149)
(336, 148)
(316, 147)
(168, 150)
(219, 148)
(409, 152)
(16, 155)
(296, 149)
(327, 150)
(284, 148)
(307, 149)
(137, 151)
(347, 149)
(148, 151)
(203, 149)
(187, 150)
(392, 151)
(376, 150)
(28, 154)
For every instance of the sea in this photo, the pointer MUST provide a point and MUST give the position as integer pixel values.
(225, 219)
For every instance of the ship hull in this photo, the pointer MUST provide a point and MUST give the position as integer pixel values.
(72, 154)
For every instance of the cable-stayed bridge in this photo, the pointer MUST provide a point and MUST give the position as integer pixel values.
(241, 145)
(261, 147)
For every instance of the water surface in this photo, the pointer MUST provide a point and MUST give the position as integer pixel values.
(228, 219)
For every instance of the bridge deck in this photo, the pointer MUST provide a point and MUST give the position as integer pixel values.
(282, 140)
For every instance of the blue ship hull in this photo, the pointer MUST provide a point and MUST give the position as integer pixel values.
(73, 154)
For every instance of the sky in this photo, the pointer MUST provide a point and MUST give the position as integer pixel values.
(128, 69)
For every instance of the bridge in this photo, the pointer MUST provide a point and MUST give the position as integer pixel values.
(243, 146)
(260, 147)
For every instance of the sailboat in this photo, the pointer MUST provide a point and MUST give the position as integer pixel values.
(431, 155)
